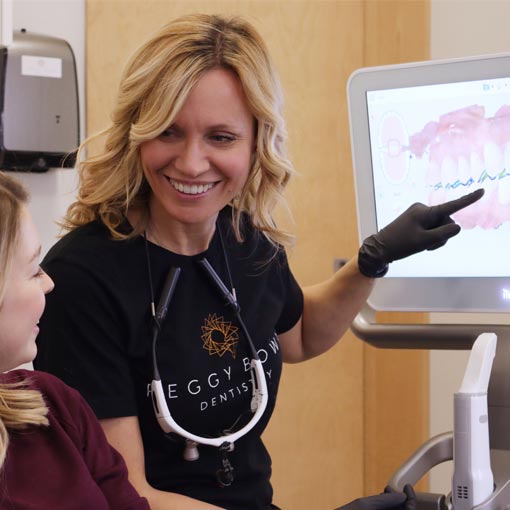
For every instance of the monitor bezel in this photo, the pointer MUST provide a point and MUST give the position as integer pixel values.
(432, 294)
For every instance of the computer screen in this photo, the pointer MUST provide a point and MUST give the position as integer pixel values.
(430, 132)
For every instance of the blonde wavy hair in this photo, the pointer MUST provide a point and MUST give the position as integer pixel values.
(19, 406)
(153, 88)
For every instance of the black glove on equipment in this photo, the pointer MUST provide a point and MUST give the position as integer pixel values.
(388, 500)
(410, 502)
(419, 228)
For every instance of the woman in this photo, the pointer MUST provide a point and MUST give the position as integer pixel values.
(53, 453)
(190, 171)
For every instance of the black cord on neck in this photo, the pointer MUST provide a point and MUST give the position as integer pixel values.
(149, 271)
(156, 326)
(158, 314)
(230, 296)
(225, 258)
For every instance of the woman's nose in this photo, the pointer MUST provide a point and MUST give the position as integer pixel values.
(192, 159)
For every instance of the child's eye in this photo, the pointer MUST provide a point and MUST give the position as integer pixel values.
(39, 272)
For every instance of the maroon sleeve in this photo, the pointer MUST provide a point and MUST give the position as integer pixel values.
(106, 465)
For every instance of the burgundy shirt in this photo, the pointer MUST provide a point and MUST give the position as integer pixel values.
(68, 465)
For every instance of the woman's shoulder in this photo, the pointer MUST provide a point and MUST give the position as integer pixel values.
(93, 233)
(254, 245)
(249, 232)
(90, 245)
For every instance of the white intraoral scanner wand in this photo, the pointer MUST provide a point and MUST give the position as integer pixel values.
(473, 481)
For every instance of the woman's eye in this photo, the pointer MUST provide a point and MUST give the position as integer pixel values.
(223, 138)
(167, 133)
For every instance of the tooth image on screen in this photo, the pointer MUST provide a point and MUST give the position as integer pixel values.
(393, 148)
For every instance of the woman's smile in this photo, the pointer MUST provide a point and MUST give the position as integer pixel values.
(190, 188)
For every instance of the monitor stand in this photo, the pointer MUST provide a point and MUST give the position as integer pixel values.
(439, 448)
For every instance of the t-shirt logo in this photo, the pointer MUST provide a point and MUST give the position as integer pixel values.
(219, 336)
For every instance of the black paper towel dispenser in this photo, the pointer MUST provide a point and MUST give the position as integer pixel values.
(39, 124)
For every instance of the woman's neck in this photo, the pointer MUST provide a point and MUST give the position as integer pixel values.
(176, 236)
(179, 238)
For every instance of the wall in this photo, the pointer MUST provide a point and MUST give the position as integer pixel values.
(52, 192)
(459, 28)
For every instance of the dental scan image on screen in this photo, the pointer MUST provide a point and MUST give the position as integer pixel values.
(434, 143)
(431, 132)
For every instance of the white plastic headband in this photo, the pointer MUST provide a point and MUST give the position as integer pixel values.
(168, 424)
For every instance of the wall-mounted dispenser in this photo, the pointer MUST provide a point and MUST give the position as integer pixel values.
(39, 123)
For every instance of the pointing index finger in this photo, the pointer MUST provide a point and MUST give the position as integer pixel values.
(453, 206)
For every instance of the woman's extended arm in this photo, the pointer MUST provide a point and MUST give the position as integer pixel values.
(329, 309)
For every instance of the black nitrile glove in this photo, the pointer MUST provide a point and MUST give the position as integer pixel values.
(388, 500)
(410, 502)
(419, 228)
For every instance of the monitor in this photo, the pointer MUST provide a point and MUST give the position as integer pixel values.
(430, 132)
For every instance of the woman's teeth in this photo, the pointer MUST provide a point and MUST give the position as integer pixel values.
(193, 189)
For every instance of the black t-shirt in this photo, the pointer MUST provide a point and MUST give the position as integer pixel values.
(96, 336)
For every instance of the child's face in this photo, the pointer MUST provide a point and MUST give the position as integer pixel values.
(24, 299)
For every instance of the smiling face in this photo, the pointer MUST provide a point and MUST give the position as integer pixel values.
(202, 161)
(24, 299)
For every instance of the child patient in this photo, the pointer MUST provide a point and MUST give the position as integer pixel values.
(53, 453)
